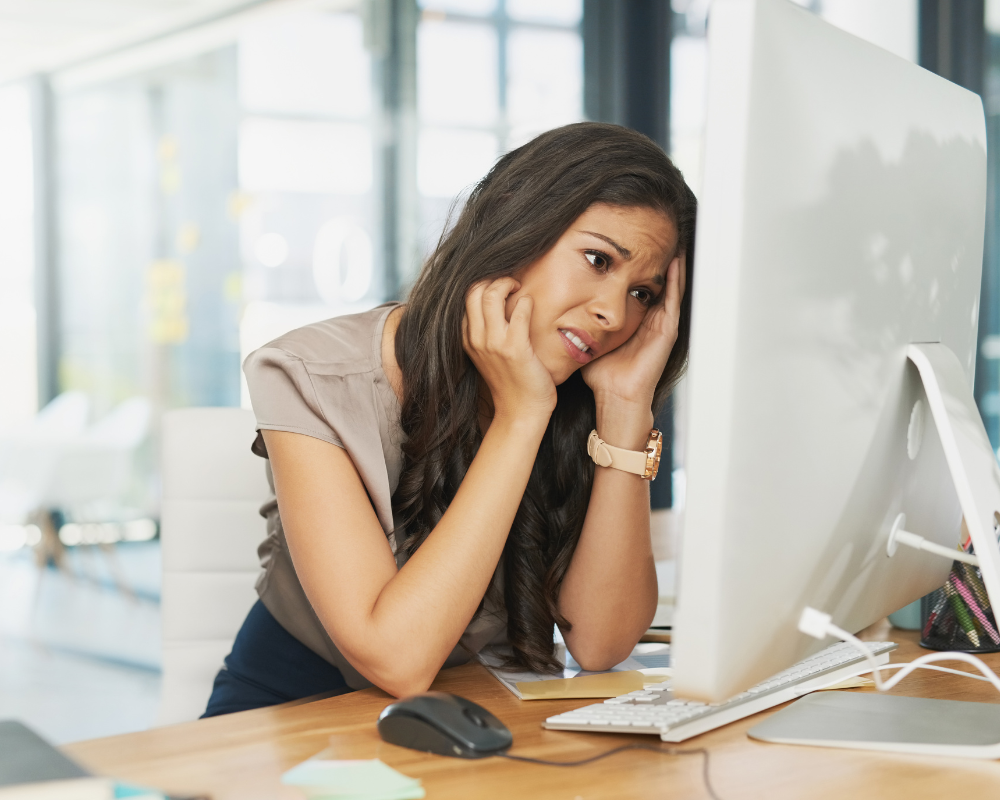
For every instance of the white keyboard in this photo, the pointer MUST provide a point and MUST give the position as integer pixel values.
(655, 710)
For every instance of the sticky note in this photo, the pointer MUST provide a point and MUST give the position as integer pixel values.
(128, 791)
(654, 676)
(605, 684)
(849, 683)
(367, 779)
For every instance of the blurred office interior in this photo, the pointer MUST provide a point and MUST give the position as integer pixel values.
(183, 181)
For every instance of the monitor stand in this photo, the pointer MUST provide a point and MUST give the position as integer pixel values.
(912, 724)
(971, 460)
(886, 722)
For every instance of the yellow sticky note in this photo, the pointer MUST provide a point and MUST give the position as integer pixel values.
(849, 683)
(606, 684)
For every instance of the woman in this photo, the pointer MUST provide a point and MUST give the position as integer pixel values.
(434, 491)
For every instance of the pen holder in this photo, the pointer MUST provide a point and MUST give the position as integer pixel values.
(958, 616)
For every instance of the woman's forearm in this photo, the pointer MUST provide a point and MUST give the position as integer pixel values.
(433, 597)
(397, 627)
(609, 593)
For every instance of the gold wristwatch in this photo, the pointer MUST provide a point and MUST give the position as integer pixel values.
(644, 463)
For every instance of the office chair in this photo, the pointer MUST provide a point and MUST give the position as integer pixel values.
(213, 487)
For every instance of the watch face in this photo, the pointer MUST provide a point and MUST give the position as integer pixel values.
(654, 448)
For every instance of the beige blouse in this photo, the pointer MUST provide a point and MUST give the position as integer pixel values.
(326, 380)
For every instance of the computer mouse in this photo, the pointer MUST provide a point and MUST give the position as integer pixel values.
(436, 722)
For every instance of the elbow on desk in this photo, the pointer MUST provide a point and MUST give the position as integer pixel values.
(399, 678)
(399, 668)
(597, 664)
(406, 685)
(598, 658)
(598, 646)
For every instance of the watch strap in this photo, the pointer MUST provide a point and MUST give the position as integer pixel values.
(606, 455)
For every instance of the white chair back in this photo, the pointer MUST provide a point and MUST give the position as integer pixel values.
(125, 426)
(65, 415)
(30, 454)
(93, 470)
(213, 487)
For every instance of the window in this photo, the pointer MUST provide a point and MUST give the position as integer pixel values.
(18, 400)
(492, 74)
(307, 204)
(988, 367)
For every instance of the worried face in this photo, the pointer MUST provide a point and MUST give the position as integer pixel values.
(592, 290)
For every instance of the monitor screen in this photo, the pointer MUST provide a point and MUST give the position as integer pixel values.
(841, 220)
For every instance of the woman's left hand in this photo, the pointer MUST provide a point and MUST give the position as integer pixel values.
(629, 373)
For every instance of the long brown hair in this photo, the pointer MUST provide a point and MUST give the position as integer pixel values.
(513, 217)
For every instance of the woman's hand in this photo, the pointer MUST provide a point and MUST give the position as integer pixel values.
(630, 372)
(609, 590)
(502, 352)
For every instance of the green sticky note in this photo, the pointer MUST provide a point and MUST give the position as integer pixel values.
(368, 779)
(411, 794)
(128, 791)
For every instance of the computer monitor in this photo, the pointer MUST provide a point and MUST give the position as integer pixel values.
(841, 221)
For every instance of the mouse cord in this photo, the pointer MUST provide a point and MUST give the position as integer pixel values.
(672, 751)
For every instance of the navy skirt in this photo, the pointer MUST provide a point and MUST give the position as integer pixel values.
(268, 666)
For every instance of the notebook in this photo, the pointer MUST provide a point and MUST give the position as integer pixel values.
(648, 661)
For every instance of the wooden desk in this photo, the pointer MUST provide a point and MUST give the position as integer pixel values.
(243, 755)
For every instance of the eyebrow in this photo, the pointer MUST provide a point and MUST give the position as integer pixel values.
(625, 253)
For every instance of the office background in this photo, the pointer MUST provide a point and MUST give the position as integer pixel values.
(183, 181)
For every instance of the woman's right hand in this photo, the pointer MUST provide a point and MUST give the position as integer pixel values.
(518, 381)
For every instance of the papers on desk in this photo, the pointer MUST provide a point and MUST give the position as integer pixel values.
(606, 684)
(666, 579)
(648, 663)
(856, 682)
(369, 779)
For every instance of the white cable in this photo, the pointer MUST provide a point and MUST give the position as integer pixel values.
(884, 686)
(813, 622)
(961, 672)
(865, 671)
(918, 542)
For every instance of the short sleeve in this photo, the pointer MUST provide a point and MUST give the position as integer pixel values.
(283, 396)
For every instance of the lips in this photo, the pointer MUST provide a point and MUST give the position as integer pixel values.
(572, 338)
